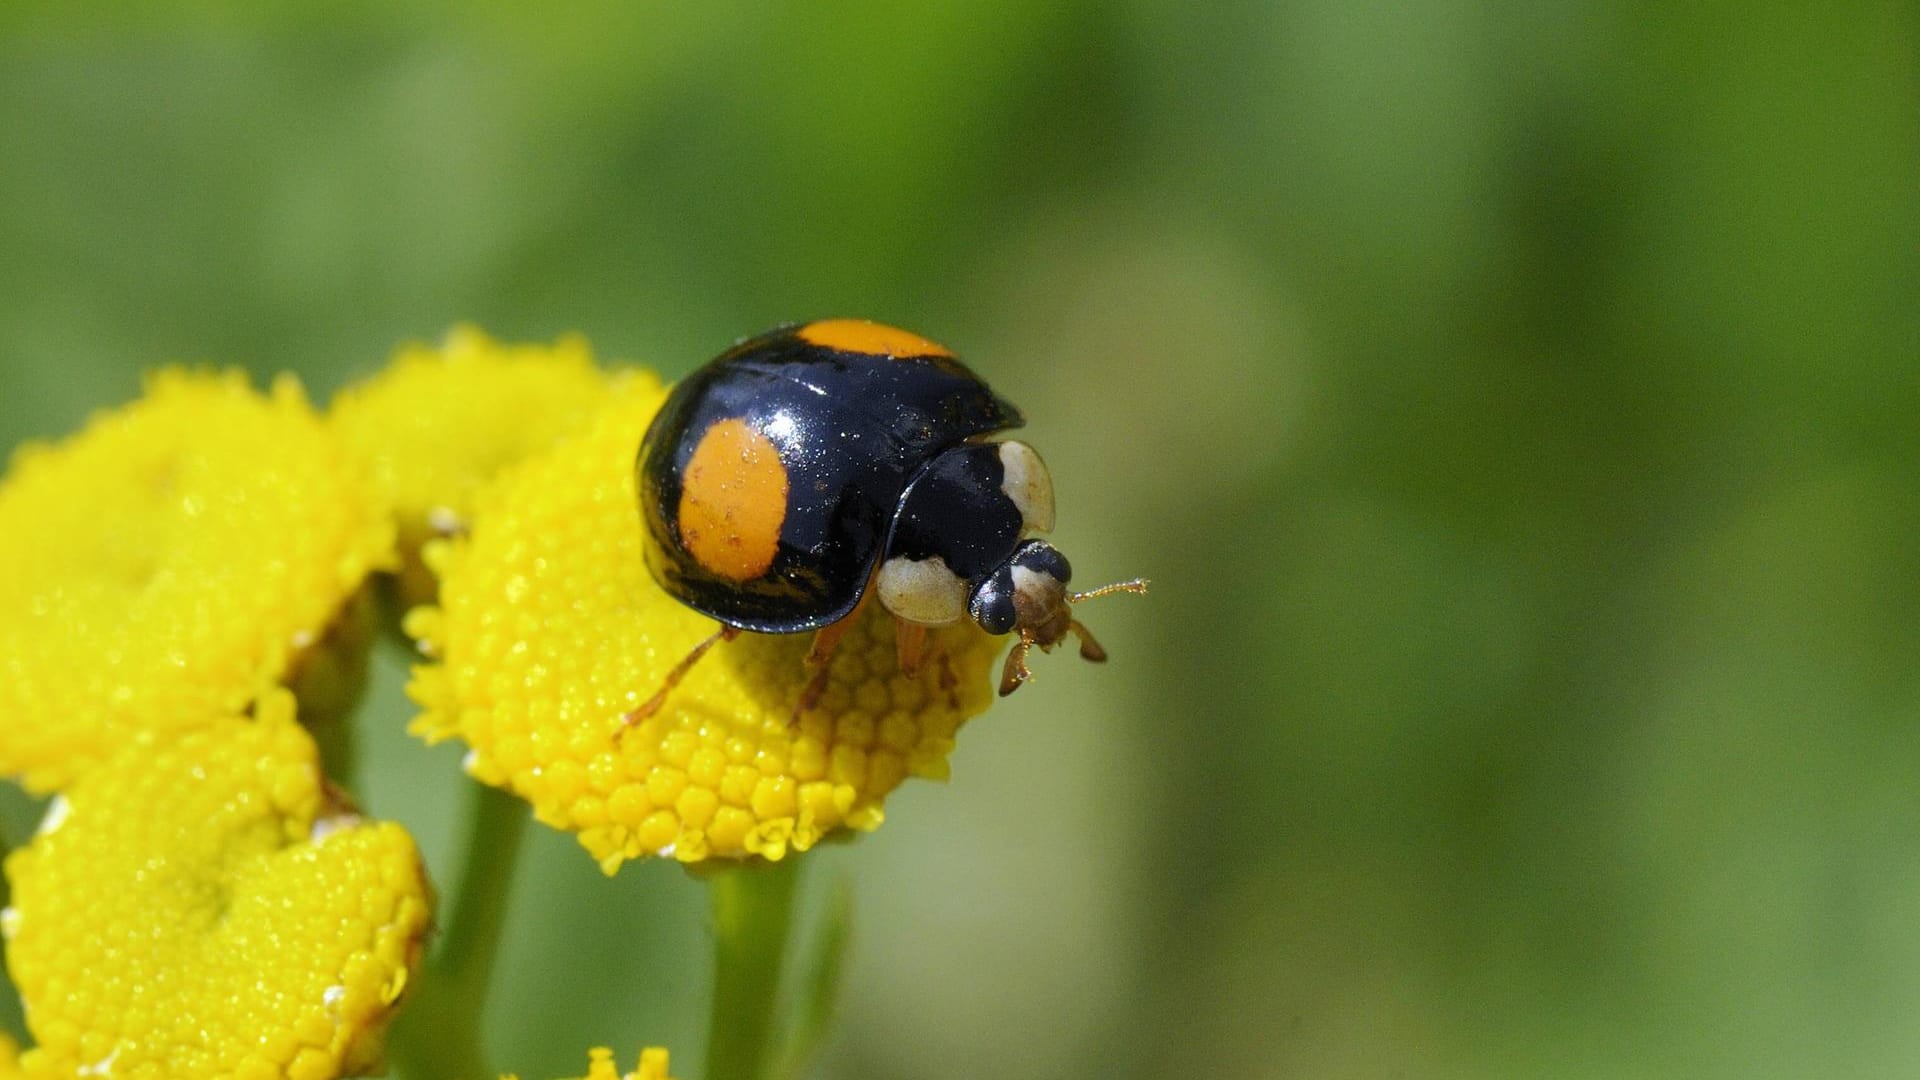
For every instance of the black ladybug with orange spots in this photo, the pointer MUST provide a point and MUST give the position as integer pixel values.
(806, 470)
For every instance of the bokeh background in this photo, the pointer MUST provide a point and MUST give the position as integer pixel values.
(1515, 405)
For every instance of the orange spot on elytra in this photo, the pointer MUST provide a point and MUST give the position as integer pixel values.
(733, 499)
(872, 338)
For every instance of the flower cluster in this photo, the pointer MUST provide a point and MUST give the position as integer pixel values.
(238, 920)
(169, 563)
(200, 901)
(436, 426)
(549, 629)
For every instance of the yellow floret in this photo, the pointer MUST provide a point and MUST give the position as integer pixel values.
(600, 1066)
(550, 629)
(198, 906)
(439, 423)
(167, 564)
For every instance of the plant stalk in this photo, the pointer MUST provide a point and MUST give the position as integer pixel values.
(441, 1029)
(752, 914)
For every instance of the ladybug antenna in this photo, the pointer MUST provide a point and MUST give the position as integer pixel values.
(1136, 585)
(1089, 648)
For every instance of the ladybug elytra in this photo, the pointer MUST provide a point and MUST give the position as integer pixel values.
(807, 470)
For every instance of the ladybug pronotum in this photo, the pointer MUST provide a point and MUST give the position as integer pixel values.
(807, 470)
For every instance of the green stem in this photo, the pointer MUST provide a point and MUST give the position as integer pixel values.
(339, 746)
(13, 1020)
(497, 823)
(819, 984)
(752, 912)
(441, 1028)
(329, 680)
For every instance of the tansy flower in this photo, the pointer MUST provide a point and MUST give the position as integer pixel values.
(199, 906)
(438, 423)
(167, 563)
(600, 1066)
(549, 629)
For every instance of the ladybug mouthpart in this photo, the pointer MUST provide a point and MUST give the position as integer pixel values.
(1056, 624)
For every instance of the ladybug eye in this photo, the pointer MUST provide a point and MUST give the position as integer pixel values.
(992, 603)
(1028, 484)
(1042, 558)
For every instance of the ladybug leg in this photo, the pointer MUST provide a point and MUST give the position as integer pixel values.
(810, 696)
(909, 645)
(652, 704)
(827, 638)
(826, 641)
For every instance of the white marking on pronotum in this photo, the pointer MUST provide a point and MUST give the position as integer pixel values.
(1028, 484)
(9, 922)
(922, 590)
(57, 812)
(1038, 590)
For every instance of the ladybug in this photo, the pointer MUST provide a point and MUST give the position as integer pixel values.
(805, 471)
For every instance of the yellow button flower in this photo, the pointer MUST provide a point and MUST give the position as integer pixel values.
(550, 629)
(167, 563)
(600, 1066)
(438, 423)
(199, 906)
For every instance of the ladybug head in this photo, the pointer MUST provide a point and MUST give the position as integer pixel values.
(1028, 594)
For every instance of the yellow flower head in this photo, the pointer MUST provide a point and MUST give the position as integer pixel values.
(550, 629)
(438, 423)
(199, 906)
(600, 1066)
(168, 563)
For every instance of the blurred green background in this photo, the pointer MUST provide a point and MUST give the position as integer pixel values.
(1515, 405)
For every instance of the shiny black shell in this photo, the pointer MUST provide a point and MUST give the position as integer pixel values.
(852, 428)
